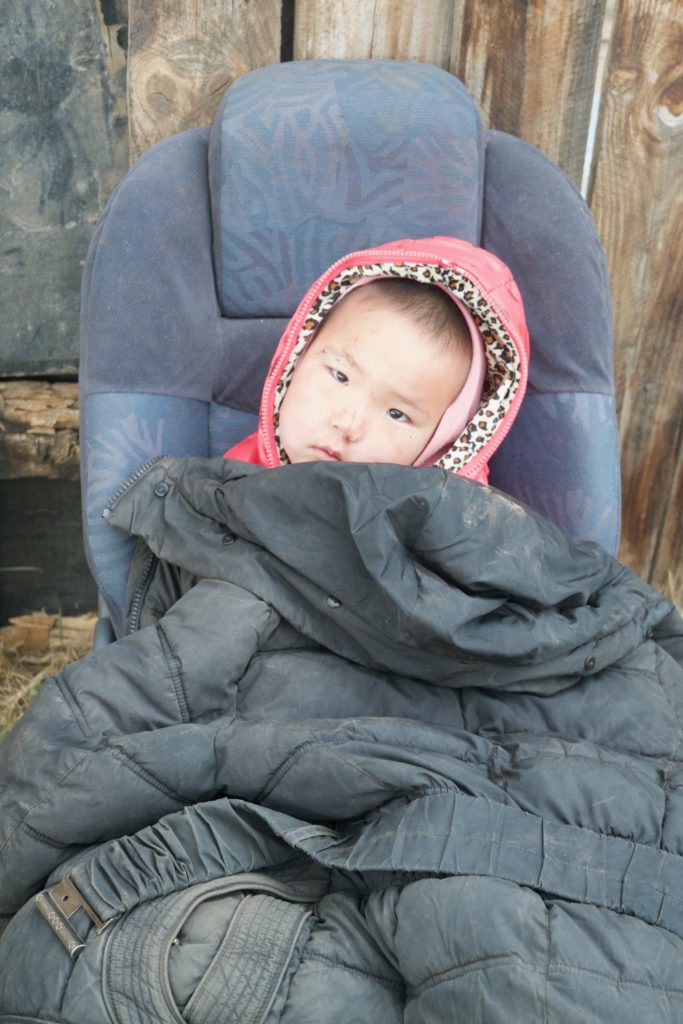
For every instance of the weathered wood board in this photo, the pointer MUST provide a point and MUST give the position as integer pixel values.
(63, 148)
(38, 430)
(383, 29)
(531, 68)
(183, 56)
(637, 201)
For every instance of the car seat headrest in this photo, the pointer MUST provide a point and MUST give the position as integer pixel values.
(345, 155)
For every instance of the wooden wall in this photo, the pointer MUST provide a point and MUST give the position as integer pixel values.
(64, 147)
(63, 132)
(534, 68)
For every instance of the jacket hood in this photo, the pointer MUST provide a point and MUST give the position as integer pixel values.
(485, 291)
(413, 571)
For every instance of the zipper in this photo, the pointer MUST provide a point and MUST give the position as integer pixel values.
(140, 592)
(148, 571)
(127, 484)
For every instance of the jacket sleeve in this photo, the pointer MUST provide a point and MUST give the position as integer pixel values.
(125, 735)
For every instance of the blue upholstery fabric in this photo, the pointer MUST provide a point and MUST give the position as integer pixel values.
(150, 321)
(123, 432)
(211, 239)
(313, 159)
(573, 478)
(562, 455)
(228, 426)
(538, 224)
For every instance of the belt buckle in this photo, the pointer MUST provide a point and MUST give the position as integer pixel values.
(58, 904)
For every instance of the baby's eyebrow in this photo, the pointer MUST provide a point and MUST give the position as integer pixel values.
(407, 400)
(330, 350)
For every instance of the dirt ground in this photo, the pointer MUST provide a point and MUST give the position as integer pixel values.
(33, 648)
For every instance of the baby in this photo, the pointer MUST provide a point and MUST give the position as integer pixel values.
(413, 353)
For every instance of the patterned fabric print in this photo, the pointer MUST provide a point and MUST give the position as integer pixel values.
(502, 371)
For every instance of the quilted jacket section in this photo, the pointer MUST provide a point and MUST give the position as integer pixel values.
(417, 739)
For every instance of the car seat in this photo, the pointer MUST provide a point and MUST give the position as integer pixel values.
(213, 236)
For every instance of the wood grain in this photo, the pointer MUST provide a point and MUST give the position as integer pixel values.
(182, 55)
(531, 68)
(637, 201)
(377, 29)
(63, 150)
(38, 430)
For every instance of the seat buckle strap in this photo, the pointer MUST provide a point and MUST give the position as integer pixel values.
(58, 904)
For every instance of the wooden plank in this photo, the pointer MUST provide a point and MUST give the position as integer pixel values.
(637, 202)
(112, 18)
(531, 68)
(38, 430)
(667, 569)
(377, 29)
(64, 148)
(182, 55)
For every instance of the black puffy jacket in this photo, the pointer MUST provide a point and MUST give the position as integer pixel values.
(381, 745)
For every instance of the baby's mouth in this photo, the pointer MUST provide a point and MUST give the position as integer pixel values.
(327, 454)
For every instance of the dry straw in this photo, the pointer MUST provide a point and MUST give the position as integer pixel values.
(33, 648)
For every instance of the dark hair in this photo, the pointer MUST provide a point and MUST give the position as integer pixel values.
(429, 307)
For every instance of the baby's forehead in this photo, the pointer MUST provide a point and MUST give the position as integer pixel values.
(367, 300)
(368, 293)
(381, 291)
(382, 313)
(431, 308)
(368, 334)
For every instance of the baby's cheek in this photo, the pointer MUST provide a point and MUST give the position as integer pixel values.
(405, 448)
(418, 442)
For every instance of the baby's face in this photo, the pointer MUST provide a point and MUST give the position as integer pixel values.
(372, 387)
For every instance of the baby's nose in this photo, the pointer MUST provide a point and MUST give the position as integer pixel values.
(347, 419)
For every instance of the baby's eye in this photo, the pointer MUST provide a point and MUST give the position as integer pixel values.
(340, 377)
(396, 414)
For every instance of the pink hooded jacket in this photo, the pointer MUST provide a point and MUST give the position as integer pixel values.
(477, 421)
